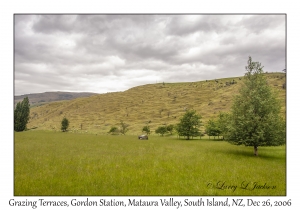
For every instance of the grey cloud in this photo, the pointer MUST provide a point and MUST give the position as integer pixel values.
(259, 23)
(182, 26)
(107, 52)
(49, 24)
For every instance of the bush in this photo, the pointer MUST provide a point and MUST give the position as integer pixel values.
(113, 130)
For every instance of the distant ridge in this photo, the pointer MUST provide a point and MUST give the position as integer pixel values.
(36, 99)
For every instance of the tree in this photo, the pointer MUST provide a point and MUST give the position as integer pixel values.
(170, 128)
(124, 127)
(212, 128)
(223, 124)
(189, 124)
(146, 129)
(255, 114)
(161, 130)
(64, 124)
(21, 115)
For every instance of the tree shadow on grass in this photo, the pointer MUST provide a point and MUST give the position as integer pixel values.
(249, 153)
(243, 151)
(194, 139)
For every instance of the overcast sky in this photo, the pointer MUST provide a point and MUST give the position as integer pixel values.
(107, 53)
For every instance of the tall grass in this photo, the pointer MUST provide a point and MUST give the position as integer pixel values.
(55, 163)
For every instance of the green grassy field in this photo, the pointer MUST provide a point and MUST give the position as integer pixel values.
(56, 163)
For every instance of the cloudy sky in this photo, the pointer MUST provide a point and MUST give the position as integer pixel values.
(107, 53)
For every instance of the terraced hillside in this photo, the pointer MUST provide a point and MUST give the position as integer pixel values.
(153, 104)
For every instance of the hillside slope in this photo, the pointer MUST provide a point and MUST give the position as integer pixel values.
(156, 104)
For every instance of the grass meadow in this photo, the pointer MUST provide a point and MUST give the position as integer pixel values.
(56, 163)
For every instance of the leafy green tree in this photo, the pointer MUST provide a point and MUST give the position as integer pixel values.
(222, 122)
(255, 114)
(212, 128)
(161, 130)
(189, 124)
(170, 128)
(21, 115)
(64, 124)
(124, 127)
(146, 129)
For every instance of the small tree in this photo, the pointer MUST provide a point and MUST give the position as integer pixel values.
(208, 128)
(21, 115)
(170, 128)
(124, 127)
(64, 124)
(255, 119)
(161, 130)
(146, 129)
(189, 124)
(212, 128)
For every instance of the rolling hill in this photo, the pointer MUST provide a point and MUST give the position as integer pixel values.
(152, 104)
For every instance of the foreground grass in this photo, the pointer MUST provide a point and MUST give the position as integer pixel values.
(49, 163)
